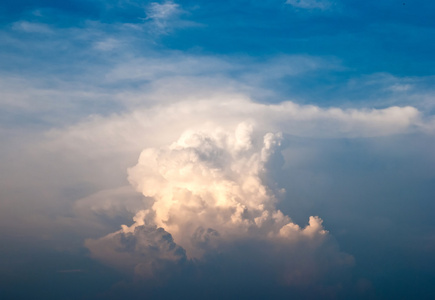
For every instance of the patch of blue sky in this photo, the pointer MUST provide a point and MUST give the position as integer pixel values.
(313, 52)
(368, 37)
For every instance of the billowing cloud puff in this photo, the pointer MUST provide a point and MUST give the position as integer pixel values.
(209, 183)
(212, 205)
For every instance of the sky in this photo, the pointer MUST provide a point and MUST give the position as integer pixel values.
(217, 149)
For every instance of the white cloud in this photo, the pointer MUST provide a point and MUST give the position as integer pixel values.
(165, 16)
(209, 194)
(211, 180)
(31, 27)
(228, 110)
(400, 87)
(107, 44)
(310, 4)
(99, 149)
(203, 170)
(157, 11)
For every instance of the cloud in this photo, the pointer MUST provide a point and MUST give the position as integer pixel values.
(164, 16)
(210, 202)
(209, 180)
(99, 149)
(227, 110)
(147, 250)
(157, 11)
(107, 44)
(108, 97)
(106, 209)
(31, 27)
(205, 177)
(310, 4)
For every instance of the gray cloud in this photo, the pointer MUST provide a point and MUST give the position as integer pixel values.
(148, 251)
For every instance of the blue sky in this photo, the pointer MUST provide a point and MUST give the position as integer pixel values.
(323, 108)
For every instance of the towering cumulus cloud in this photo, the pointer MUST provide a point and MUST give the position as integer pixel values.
(211, 203)
(207, 187)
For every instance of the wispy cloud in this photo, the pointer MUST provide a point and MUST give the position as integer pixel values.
(310, 4)
(31, 27)
(164, 11)
(164, 16)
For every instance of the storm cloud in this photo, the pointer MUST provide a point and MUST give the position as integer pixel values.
(217, 150)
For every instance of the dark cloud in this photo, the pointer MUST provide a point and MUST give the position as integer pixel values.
(246, 268)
